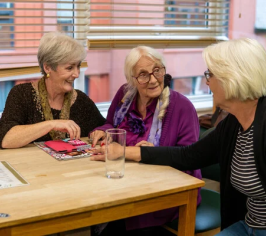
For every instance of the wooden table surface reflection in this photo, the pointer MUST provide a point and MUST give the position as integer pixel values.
(65, 195)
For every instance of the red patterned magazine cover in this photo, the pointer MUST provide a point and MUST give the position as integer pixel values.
(81, 149)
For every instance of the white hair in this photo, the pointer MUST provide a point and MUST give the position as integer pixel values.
(165, 102)
(240, 65)
(131, 60)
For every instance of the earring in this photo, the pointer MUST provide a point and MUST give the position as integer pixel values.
(47, 75)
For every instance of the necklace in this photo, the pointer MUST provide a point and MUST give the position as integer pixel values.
(65, 111)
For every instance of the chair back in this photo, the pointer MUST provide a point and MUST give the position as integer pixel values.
(210, 172)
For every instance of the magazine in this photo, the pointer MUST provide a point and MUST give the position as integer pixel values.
(83, 150)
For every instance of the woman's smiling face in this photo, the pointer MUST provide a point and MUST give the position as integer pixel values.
(64, 76)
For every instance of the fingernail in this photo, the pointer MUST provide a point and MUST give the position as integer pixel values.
(92, 145)
(102, 144)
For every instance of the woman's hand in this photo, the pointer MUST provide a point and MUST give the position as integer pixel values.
(115, 150)
(131, 153)
(67, 126)
(96, 136)
(21, 135)
(144, 143)
(98, 154)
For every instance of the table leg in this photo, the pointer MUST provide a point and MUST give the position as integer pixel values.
(187, 215)
(5, 231)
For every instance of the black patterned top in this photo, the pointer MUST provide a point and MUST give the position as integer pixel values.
(23, 107)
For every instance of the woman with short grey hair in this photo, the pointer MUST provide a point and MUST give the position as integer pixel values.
(50, 108)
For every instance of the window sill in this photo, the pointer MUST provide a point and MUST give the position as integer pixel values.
(202, 104)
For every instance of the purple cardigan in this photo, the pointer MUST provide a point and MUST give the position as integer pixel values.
(180, 127)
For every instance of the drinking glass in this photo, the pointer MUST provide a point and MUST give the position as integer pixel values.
(115, 153)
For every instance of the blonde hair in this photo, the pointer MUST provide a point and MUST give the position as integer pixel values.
(240, 66)
(58, 48)
(131, 60)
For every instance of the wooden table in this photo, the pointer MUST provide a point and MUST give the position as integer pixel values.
(65, 195)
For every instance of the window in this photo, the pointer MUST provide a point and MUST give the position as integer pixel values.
(6, 25)
(65, 19)
(191, 85)
(188, 16)
(158, 23)
(22, 24)
(4, 90)
(179, 29)
(260, 23)
(5, 22)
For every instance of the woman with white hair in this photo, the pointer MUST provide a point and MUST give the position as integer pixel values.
(237, 77)
(50, 108)
(152, 115)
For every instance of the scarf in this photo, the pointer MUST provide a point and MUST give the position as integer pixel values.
(65, 111)
(156, 127)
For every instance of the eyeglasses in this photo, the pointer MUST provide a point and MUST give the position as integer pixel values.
(208, 75)
(144, 78)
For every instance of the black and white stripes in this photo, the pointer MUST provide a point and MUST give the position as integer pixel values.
(244, 177)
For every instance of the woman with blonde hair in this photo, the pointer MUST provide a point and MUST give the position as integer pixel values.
(50, 108)
(152, 115)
